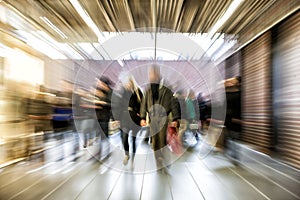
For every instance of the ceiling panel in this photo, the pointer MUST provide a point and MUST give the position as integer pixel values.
(60, 13)
(186, 16)
(61, 20)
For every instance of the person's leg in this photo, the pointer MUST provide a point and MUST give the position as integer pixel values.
(135, 131)
(156, 149)
(104, 137)
(104, 128)
(86, 139)
(133, 137)
(202, 124)
(235, 147)
(133, 144)
(159, 141)
(154, 128)
(125, 134)
(163, 149)
(125, 141)
(86, 130)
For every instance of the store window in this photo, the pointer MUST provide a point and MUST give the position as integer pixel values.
(22, 67)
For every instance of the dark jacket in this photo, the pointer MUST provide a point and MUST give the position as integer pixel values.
(233, 110)
(129, 107)
(165, 99)
(104, 113)
(203, 110)
(183, 108)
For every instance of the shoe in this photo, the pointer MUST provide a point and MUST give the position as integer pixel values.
(125, 161)
(131, 166)
(164, 171)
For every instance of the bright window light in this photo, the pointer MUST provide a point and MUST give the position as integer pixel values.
(225, 48)
(217, 43)
(70, 51)
(91, 49)
(44, 48)
(86, 47)
(106, 36)
(61, 46)
(5, 51)
(142, 54)
(148, 54)
(26, 68)
(213, 47)
(3, 14)
(40, 41)
(121, 63)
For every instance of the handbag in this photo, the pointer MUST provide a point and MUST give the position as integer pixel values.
(174, 141)
(193, 126)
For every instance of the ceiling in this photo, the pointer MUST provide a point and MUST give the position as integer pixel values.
(186, 16)
(182, 16)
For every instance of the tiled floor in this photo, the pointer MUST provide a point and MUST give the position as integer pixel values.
(192, 176)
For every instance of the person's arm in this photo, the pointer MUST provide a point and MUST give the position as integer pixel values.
(98, 102)
(197, 111)
(116, 105)
(176, 111)
(143, 111)
(236, 121)
(138, 102)
(175, 108)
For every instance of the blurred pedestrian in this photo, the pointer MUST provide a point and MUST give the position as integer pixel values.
(129, 111)
(202, 104)
(192, 112)
(233, 120)
(83, 113)
(159, 102)
(103, 94)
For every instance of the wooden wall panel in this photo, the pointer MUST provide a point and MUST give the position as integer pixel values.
(287, 89)
(256, 92)
(233, 65)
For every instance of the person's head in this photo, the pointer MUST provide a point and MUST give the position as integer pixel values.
(191, 94)
(178, 94)
(127, 81)
(239, 79)
(200, 96)
(130, 84)
(104, 83)
(154, 73)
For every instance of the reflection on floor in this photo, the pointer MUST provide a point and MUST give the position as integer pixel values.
(81, 176)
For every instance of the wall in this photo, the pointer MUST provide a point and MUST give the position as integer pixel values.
(286, 97)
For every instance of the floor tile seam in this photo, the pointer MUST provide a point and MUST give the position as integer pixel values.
(268, 179)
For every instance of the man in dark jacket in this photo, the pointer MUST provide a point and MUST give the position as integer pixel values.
(158, 103)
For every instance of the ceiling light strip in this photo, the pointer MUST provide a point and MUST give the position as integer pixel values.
(55, 28)
(241, 46)
(233, 6)
(84, 15)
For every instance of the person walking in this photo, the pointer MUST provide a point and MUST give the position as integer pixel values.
(192, 112)
(103, 94)
(130, 104)
(158, 103)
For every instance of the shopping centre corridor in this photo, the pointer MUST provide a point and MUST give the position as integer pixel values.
(192, 176)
